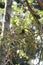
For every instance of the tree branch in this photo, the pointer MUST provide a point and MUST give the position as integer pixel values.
(32, 11)
(35, 15)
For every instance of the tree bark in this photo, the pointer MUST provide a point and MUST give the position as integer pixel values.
(7, 12)
(8, 4)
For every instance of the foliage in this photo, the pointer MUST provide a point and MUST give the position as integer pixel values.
(21, 41)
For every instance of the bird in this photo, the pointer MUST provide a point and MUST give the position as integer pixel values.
(22, 32)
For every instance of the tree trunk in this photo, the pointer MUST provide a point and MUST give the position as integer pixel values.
(7, 12)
